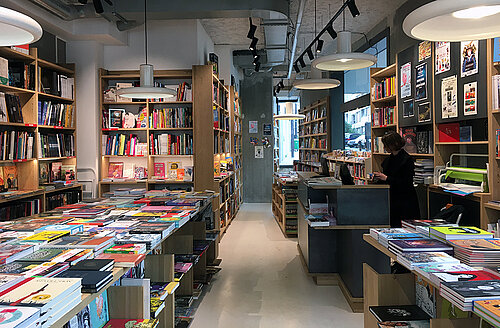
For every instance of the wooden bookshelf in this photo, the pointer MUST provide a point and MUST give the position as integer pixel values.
(314, 134)
(280, 203)
(358, 163)
(28, 169)
(236, 148)
(144, 133)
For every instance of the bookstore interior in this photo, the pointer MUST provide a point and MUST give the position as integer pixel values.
(143, 142)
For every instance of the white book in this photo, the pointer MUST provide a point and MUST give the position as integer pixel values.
(4, 71)
(3, 108)
(19, 316)
(12, 143)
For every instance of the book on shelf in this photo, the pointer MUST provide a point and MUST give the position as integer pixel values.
(159, 171)
(55, 114)
(383, 116)
(115, 170)
(424, 142)
(99, 310)
(56, 145)
(172, 170)
(385, 88)
(12, 106)
(488, 309)
(4, 71)
(10, 177)
(56, 84)
(449, 132)
(68, 172)
(465, 133)
(451, 233)
(463, 293)
(181, 117)
(16, 145)
(410, 136)
(400, 316)
(116, 117)
(171, 144)
(496, 92)
(123, 145)
(21, 75)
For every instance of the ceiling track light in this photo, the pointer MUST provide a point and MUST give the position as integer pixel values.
(281, 85)
(256, 60)
(254, 53)
(331, 31)
(296, 68)
(319, 46)
(257, 67)
(310, 54)
(251, 31)
(301, 62)
(253, 44)
(351, 4)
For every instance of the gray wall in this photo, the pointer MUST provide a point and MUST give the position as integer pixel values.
(257, 105)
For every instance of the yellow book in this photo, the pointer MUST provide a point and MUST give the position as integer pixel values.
(171, 287)
(47, 235)
(122, 144)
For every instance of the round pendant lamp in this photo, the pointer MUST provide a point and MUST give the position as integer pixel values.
(454, 20)
(316, 82)
(344, 59)
(147, 90)
(289, 113)
(17, 28)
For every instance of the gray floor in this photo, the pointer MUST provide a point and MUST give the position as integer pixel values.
(262, 283)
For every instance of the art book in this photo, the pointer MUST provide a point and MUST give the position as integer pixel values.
(479, 245)
(448, 233)
(159, 170)
(465, 276)
(116, 117)
(425, 296)
(490, 308)
(44, 176)
(46, 236)
(99, 311)
(18, 316)
(467, 291)
(55, 171)
(115, 170)
(410, 136)
(10, 176)
(68, 172)
(172, 169)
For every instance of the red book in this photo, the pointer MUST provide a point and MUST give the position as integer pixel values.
(159, 170)
(466, 276)
(449, 132)
(123, 260)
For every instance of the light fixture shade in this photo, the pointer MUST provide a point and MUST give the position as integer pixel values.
(17, 28)
(344, 59)
(289, 114)
(147, 90)
(316, 82)
(454, 20)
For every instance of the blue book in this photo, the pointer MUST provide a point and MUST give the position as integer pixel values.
(99, 311)
(496, 50)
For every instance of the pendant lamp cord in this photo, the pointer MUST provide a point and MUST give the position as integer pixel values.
(315, 55)
(343, 20)
(146, 29)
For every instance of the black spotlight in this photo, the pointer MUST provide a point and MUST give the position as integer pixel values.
(331, 31)
(351, 4)
(253, 44)
(254, 53)
(98, 6)
(301, 62)
(296, 68)
(319, 46)
(281, 85)
(310, 54)
(256, 60)
(257, 66)
(251, 31)
(83, 2)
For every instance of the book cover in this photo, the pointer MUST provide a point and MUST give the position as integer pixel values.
(410, 136)
(425, 296)
(399, 313)
(476, 244)
(127, 249)
(93, 265)
(426, 244)
(159, 170)
(43, 255)
(18, 316)
(55, 171)
(180, 175)
(116, 117)
(466, 276)
(492, 307)
(459, 231)
(468, 290)
(428, 257)
(47, 236)
(188, 173)
(172, 170)
(132, 323)
(68, 172)
(99, 312)
(44, 176)
(90, 279)
(10, 176)
(115, 170)
(465, 133)
(123, 260)
(449, 132)
(423, 142)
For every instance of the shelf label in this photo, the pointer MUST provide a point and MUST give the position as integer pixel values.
(30, 125)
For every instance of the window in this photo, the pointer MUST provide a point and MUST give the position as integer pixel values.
(357, 129)
(288, 136)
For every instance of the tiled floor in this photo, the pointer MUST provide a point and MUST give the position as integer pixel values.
(262, 282)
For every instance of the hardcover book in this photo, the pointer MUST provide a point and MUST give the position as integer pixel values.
(465, 276)
(474, 290)
(123, 260)
(115, 170)
(449, 132)
(116, 117)
(10, 177)
(92, 281)
(44, 176)
(46, 236)
(94, 265)
(18, 316)
(159, 170)
(479, 245)
(99, 311)
(448, 233)
(399, 313)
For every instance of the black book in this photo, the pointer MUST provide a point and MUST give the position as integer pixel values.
(16, 74)
(423, 142)
(93, 265)
(399, 313)
(14, 111)
(92, 281)
(474, 289)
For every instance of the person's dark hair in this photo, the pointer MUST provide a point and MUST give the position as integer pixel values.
(393, 141)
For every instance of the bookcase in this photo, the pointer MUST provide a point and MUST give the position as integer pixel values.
(236, 148)
(284, 205)
(39, 122)
(314, 134)
(358, 163)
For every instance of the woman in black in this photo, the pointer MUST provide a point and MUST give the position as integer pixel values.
(398, 171)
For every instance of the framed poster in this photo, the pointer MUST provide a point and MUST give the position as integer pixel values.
(259, 151)
(253, 126)
(408, 109)
(421, 82)
(469, 52)
(449, 97)
(470, 95)
(442, 57)
(424, 50)
(424, 112)
(406, 80)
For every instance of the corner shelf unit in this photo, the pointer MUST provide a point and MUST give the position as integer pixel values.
(314, 135)
(31, 97)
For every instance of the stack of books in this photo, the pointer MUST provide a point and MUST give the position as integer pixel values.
(136, 323)
(400, 316)
(92, 281)
(452, 233)
(376, 232)
(489, 310)
(465, 275)
(463, 293)
(20, 316)
(477, 252)
(384, 237)
(127, 249)
(413, 225)
(418, 245)
(150, 240)
(427, 270)
(413, 260)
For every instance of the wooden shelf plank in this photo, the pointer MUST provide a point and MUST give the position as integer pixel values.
(54, 97)
(389, 71)
(61, 69)
(384, 100)
(9, 89)
(463, 143)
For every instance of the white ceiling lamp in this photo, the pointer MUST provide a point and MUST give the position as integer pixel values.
(454, 20)
(344, 59)
(17, 28)
(289, 113)
(316, 82)
(147, 90)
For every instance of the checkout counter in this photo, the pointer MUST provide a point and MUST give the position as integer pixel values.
(339, 250)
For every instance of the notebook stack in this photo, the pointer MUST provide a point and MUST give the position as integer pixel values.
(477, 252)
(488, 310)
(418, 245)
(413, 260)
(452, 233)
(463, 293)
(400, 316)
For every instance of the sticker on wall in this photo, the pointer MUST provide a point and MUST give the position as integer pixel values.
(406, 80)
(259, 152)
(253, 126)
(267, 129)
(254, 141)
(442, 57)
(265, 142)
(470, 92)
(421, 82)
(469, 55)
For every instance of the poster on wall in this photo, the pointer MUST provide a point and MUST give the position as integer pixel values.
(259, 151)
(406, 80)
(470, 92)
(424, 112)
(469, 54)
(424, 50)
(442, 57)
(449, 97)
(408, 109)
(253, 126)
(421, 82)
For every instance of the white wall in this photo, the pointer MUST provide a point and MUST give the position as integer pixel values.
(226, 64)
